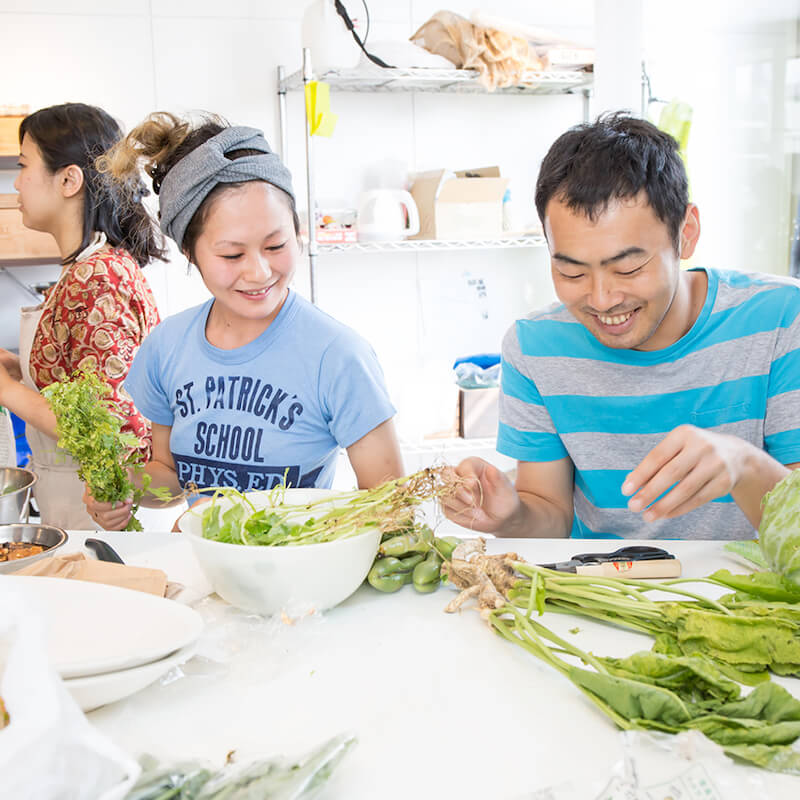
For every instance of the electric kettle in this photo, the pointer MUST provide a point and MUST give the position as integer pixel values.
(387, 215)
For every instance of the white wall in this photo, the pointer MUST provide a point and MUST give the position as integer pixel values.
(419, 311)
(728, 60)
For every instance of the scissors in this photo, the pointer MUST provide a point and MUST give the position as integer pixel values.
(633, 561)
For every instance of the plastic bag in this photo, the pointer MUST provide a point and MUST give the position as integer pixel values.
(478, 372)
(499, 57)
(658, 766)
(264, 779)
(8, 448)
(48, 750)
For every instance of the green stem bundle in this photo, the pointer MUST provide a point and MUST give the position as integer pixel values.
(388, 507)
(689, 680)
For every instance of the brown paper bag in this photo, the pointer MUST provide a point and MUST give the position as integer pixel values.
(78, 567)
(499, 57)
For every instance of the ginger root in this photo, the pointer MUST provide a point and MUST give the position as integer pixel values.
(488, 578)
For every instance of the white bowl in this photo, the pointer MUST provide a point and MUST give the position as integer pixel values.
(295, 579)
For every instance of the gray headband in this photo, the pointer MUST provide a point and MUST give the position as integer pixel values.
(189, 182)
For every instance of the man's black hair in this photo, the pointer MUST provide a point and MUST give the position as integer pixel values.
(615, 158)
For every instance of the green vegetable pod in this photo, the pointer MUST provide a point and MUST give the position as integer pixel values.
(446, 545)
(427, 573)
(411, 561)
(388, 583)
(403, 543)
(390, 574)
(384, 567)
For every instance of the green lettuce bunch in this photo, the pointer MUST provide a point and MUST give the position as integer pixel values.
(779, 531)
(91, 432)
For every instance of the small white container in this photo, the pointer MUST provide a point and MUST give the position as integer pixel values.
(295, 579)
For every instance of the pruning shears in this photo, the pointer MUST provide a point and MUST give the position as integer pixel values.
(633, 561)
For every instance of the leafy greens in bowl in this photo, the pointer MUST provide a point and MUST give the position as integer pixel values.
(267, 579)
(313, 547)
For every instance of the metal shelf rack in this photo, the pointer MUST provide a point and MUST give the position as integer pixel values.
(462, 81)
(411, 80)
(431, 245)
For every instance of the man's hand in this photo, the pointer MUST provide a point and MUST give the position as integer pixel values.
(109, 516)
(485, 501)
(698, 464)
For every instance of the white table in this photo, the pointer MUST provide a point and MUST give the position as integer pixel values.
(440, 704)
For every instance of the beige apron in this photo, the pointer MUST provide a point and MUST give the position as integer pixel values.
(59, 491)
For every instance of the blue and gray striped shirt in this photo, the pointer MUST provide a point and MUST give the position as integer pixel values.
(737, 371)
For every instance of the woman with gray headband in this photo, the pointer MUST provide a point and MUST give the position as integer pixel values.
(255, 386)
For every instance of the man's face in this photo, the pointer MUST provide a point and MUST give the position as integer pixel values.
(617, 275)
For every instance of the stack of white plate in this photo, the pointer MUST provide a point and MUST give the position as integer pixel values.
(107, 642)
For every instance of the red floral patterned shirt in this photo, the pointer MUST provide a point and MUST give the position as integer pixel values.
(96, 317)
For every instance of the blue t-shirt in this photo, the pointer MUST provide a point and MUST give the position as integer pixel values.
(281, 405)
(736, 371)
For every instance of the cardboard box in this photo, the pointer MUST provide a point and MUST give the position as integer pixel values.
(9, 134)
(18, 242)
(461, 205)
(478, 412)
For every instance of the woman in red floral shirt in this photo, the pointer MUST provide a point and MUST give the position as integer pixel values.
(100, 309)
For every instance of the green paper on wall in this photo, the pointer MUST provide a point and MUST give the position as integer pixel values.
(676, 120)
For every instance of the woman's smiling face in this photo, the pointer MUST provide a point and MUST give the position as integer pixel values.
(619, 273)
(247, 252)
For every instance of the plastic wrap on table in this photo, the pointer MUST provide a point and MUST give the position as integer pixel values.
(657, 766)
(181, 781)
(262, 779)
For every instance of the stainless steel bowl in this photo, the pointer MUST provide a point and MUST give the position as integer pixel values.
(15, 493)
(48, 536)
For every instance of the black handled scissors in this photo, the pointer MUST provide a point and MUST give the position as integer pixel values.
(633, 552)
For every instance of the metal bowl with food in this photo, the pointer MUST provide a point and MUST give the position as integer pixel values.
(25, 542)
(16, 485)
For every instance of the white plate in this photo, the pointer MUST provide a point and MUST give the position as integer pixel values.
(93, 628)
(99, 690)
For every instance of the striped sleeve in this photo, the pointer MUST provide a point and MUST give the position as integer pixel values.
(782, 420)
(526, 431)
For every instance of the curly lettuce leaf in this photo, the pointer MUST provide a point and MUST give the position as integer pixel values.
(779, 531)
(89, 428)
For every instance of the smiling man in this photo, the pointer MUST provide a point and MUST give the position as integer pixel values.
(651, 401)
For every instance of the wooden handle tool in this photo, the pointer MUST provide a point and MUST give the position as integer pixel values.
(651, 568)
